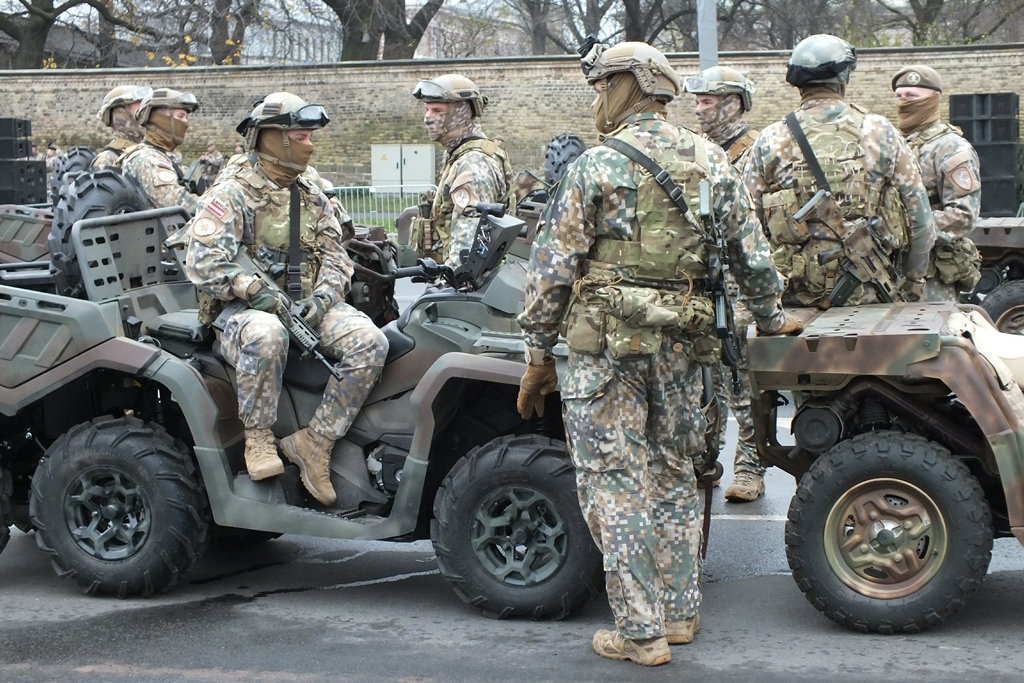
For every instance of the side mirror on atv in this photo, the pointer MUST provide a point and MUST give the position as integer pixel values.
(495, 234)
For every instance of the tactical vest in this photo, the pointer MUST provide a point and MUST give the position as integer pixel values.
(442, 208)
(668, 247)
(838, 149)
(741, 145)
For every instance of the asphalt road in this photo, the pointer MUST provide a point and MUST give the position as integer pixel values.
(313, 610)
(300, 609)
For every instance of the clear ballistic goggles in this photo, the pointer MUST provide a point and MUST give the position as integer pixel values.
(702, 86)
(431, 91)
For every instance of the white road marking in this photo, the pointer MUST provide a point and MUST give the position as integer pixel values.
(385, 579)
(748, 518)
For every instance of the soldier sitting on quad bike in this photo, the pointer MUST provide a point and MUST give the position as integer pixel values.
(269, 205)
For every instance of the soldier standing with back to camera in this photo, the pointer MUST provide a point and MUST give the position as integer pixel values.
(952, 176)
(625, 269)
(118, 113)
(870, 172)
(164, 115)
(249, 208)
(722, 96)
(475, 169)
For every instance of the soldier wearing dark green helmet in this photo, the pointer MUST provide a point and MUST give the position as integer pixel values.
(870, 173)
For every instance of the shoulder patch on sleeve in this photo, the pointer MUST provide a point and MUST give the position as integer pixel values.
(460, 198)
(963, 180)
(166, 177)
(216, 209)
(204, 227)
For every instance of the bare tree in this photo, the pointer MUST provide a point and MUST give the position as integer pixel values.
(952, 21)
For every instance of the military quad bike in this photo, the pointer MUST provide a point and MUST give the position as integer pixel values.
(909, 456)
(120, 444)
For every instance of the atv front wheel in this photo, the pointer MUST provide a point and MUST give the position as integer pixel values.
(508, 532)
(118, 505)
(888, 532)
(1005, 305)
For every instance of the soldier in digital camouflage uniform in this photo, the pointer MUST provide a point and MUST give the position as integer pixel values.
(249, 208)
(118, 113)
(474, 169)
(869, 168)
(212, 161)
(722, 96)
(164, 115)
(615, 249)
(951, 173)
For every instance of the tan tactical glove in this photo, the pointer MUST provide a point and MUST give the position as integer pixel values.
(537, 382)
(914, 289)
(791, 326)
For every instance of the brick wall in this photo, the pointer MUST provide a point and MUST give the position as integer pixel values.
(532, 99)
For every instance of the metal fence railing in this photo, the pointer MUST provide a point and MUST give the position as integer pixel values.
(379, 204)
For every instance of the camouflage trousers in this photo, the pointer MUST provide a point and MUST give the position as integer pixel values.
(633, 427)
(745, 458)
(256, 344)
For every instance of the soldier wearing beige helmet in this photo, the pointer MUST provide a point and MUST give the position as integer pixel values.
(951, 174)
(118, 113)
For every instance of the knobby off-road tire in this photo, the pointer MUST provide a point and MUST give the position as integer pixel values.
(508, 532)
(75, 160)
(6, 512)
(1005, 305)
(118, 505)
(91, 195)
(561, 151)
(888, 532)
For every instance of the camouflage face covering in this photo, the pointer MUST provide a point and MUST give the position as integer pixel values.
(282, 158)
(125, 126)
(451, 127)
(723, 121)
(915, 115)
(165, 131)
(621, 98)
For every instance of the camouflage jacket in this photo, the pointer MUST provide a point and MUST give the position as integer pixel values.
(472, 178)
(951, 173)
(158, 175)
(212, 165)
(591, 201)
(108, 156)
(229, 217)
(886, 159)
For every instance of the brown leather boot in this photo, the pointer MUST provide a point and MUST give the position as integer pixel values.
(312, 453)
(261, 457)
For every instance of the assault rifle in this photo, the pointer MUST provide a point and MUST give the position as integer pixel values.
(715, 247)
(863, 259)
(268, 270)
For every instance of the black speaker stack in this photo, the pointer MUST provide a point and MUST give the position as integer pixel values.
(991, 122)
(22, 179)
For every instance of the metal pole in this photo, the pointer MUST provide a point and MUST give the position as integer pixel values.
(707, 33)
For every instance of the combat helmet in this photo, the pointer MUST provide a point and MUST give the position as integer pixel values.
(283, 111)
(821, 58)
(721, 80)
(165, 97)
(451, 88)
(650, 67)
(121, 96)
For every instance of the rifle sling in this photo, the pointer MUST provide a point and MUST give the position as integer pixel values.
(809, 157)
(294, 246)
(660, 175)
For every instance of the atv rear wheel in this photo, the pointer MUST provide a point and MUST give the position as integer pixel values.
(91, 195)
(1005, 305)
(118, 505)
(75, 160)
(888, 532)
(508, 531)
(6, 513)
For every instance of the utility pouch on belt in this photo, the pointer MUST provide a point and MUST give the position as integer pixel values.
(422, 236)
(779, 209)
(630, 321)
(958, 263)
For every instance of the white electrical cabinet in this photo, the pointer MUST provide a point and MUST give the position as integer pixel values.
(392, 165)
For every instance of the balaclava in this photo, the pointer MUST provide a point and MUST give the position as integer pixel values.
(282, 158)
(165, 131)
(125, 126)
(621, 98)
(724, 121)
(915, 115)
(454, 126)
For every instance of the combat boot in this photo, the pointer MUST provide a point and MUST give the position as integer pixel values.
(261, 457)
(745, 487)
(312, 453)
(646, 652)
(682, 632)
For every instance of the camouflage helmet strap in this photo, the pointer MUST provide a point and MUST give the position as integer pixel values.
(809, 157)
